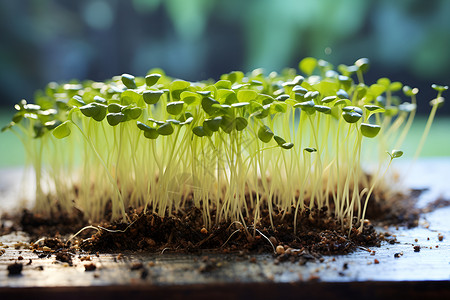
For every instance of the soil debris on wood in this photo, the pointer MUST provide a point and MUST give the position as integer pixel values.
(15, 269)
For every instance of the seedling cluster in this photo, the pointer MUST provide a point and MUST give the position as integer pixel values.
(234, 148)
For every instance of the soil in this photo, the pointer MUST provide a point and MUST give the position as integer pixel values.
(318, 233)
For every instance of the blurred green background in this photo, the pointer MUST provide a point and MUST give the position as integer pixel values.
(57, 40)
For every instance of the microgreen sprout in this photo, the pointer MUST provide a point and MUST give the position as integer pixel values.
(238, 146)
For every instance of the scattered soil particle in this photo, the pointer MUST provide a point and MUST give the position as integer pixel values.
(15, 269)
(64, 256)
(144, 274)
(85, 258)
(20, 258)
(376, 261)
(136, 266)
(29, 262)
(90, 267)
(440, 237)
(417, 248)
(398, 254)
(280, 250)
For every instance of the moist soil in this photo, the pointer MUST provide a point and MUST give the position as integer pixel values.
(317, 234)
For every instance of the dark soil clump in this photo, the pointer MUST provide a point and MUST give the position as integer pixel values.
(15, 269)
(57, 223)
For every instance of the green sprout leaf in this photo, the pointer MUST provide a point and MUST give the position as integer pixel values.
(329, 99)
(301, 91)
(377, 89)
(115, 118)
(152, 79)
(89, 110)
(76, 101)
(200, 131)
(283, 97)
(287, 146)
(100, 100)
(223, 84)
(165, 129)
(342, 94)
(280, 141)
(345, 81)
(129, 81)
(130, 97)
(177, 87)
(115, 108)
(374, 108)
(152, 97)
(241, 123)
(149, 132)
(52, 124)
(395, 86)
(310, 149)
(439, 88)
(307, 107)
(246, 95)
(175, 108)
(227, 124)
(363, 64)
(207, 105)
(395, 154)
(408, 91)
(191, 98)
(62, 130)
(323, 109)
(240, 104)
(235, 76)
(351, 116)
(265, 134)
(213, 124)
(307, 65)
(132, 113)
(370, 130)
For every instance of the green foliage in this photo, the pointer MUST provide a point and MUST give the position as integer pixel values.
(244, 135)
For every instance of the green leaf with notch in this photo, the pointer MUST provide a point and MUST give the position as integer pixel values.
(152, 97)
(265, 134)
(370, 130)
(129, 81)
(62, 130)
(152, 79)
(175, 108)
